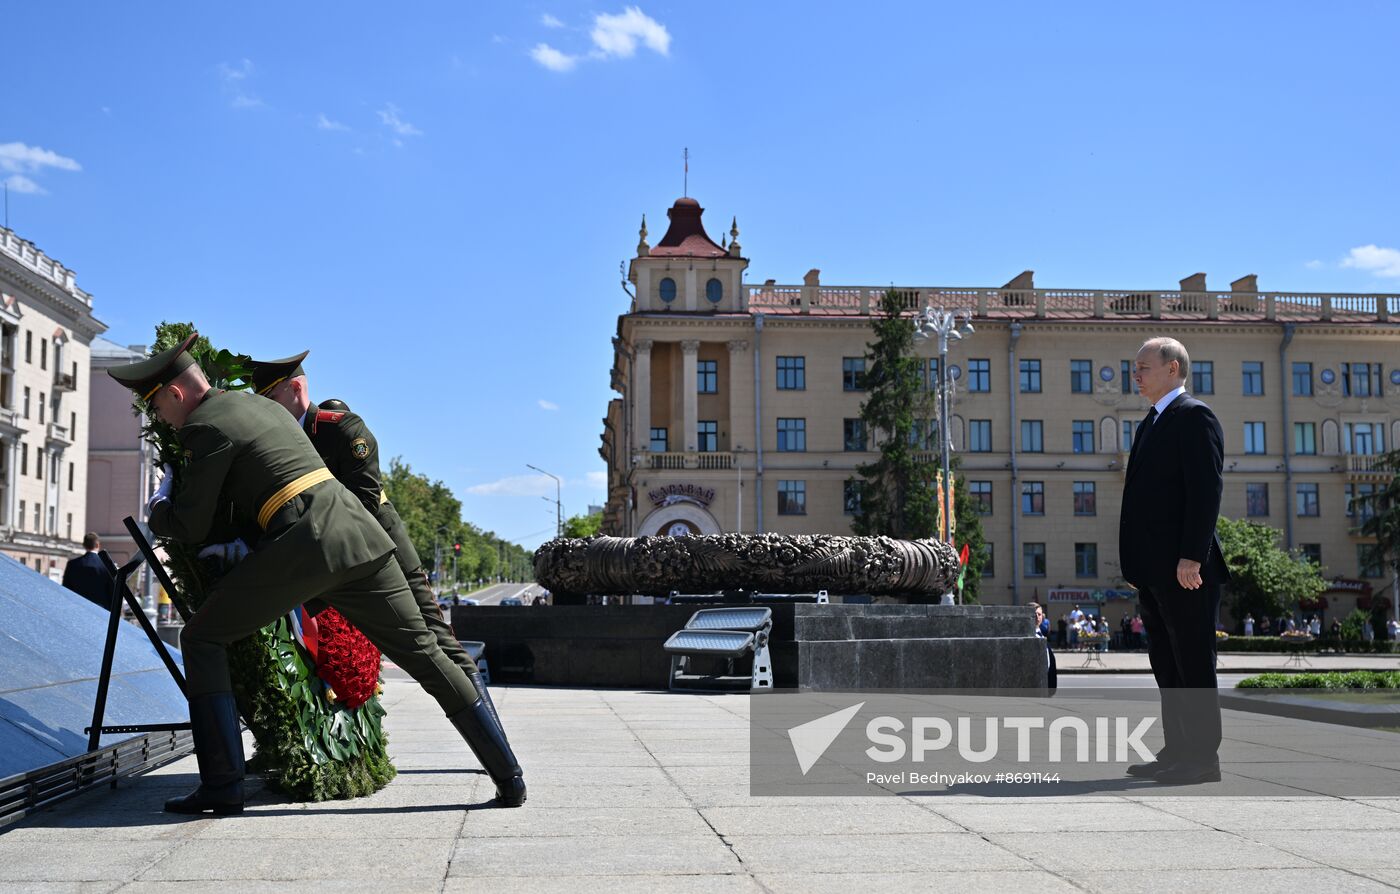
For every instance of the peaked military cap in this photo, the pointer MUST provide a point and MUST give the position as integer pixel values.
(268, 374)
(150, 375)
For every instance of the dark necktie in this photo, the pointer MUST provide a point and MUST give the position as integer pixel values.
(1143, 429)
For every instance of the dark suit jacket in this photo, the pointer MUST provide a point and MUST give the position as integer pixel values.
(1171, 497)
(88, 577)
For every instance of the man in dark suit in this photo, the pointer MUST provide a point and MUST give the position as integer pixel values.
(1168, 550)
(87, 576)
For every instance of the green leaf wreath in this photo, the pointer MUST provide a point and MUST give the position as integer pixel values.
(307, 745)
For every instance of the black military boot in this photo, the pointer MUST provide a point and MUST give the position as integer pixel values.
(480, 686)
(483, 733)
(218, 747)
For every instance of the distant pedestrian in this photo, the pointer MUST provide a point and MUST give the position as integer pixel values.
(1249, 625)
(87, 576)
(1137, 631)
(1315, 625)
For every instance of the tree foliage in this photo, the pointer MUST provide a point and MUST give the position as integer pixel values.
(583, 525)
(1265, 580)
(898, 494)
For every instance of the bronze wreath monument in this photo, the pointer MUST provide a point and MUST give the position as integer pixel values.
(782, 563)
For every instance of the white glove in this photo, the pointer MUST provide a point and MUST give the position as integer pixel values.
(228, 553)
(166, 484)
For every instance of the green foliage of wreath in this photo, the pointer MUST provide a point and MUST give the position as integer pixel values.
(308, 747)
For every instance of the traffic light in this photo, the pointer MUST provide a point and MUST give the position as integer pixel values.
(457, 550)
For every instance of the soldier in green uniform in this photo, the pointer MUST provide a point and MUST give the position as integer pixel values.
(350, 451)
(251, 473)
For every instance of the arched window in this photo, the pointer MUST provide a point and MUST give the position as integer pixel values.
(668, 290)
(714, 291)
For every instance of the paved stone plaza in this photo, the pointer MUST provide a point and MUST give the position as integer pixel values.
(648, 792)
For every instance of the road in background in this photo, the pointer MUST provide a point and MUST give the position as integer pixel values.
(493, 594)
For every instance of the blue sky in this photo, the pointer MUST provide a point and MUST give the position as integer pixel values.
(434, 199)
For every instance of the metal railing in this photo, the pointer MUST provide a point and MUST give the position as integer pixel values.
(702, 459)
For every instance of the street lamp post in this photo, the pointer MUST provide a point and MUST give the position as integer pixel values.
(944, 324)
(558, 501)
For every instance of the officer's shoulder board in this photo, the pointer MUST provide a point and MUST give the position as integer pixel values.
(328, 417)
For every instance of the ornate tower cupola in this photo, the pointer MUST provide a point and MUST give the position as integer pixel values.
(687, 272)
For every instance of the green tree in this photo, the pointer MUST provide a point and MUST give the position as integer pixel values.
(583, 525)
(1382, 512)
(1265, 580)
(898, 494)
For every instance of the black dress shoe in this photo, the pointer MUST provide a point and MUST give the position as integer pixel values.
(1147, 770)
(1189, 773)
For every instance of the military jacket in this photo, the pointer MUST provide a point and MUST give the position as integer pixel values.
(242, 449)
(348, 448)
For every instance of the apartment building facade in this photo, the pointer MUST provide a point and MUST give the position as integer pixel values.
(739, 409)
(46, 327)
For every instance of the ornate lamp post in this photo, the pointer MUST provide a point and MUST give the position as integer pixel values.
(944, 324)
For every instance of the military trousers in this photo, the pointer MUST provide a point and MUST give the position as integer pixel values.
(374, 597)
(417, 578)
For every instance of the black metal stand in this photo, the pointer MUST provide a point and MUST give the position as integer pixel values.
(122, 593)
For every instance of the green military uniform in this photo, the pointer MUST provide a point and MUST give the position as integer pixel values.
(349, 449)
(250, 471)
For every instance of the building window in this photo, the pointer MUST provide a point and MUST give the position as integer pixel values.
(932, 382)
(668, 289)
(1086, 498)
(29, 348)
(853, 435)
(1302, 380)
(1203, 377)
(37, 528)
(979, 375)
(70, 526)
(1252, 378)
(1311, 552)
(1361, 379)
(792, 498)
(38, 471)
(1305, 501)
(714, 291)
(981, 492)
(1086, 560)
(1083, 436)
(1081, 376)
(1030, 376)
(707, 435)
(1033, 558)
(1254, 437)
(707, 377)
(792, 435)
(1361, 502)
(73, 426)
(24, 459)
(979, 436)
(1032, 497)
(1128, 385)
(852, 373)
(26, 401)
(1129, 429)
(1368, 563)
(1305, 438)
(44, 364)
(923, 434)
(792, 373)
(1363, 438)
(658, 440)
(43, 402)
(989, 565)
(21, 515)
(1256, 499)
(850, 495)
(70, 476)
(1032, 436)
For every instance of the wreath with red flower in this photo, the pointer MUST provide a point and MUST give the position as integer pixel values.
(345, 658)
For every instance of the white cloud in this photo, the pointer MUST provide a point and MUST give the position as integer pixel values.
(597, 479)
(516, 486)
(496, 38)
(1380, 261)
(613, 36)
(235, 78)
(324, 123)
(17, 158)
(18, 183)
(617, 35)
(1313, 265)
(389, 115)
(552, 59)
(547, 404)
